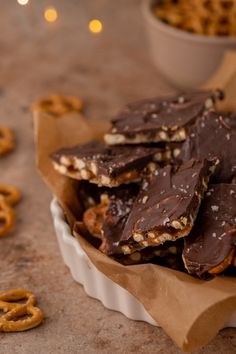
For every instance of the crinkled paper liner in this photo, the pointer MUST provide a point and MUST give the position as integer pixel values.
(191, 311)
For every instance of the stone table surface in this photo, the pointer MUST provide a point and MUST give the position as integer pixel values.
(105, 70)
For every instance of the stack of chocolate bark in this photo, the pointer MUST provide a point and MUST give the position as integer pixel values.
(161, 188)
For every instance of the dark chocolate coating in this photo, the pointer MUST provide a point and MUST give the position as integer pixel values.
(121, 200)
(89, 194)
(110, 160)
(174, 262)
(157, 255)
(212, 135)
(214, 234)
(150, 115)
(168, 195)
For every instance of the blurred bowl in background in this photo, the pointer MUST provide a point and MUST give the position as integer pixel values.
(187, 60)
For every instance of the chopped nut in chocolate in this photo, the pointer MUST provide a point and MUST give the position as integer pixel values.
(210, 247)
(160, 119)
(167, 205)
(104, 165)
(214, 134)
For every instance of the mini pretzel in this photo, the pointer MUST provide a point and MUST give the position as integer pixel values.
(9, 322)
(7, 217)
(93, 217)
(7, 142)
(58, 105)
(11, 194)
(17, 295)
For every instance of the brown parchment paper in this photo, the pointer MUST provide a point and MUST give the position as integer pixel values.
(191, 311)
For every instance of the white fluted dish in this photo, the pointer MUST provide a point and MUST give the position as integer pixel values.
(95, 283)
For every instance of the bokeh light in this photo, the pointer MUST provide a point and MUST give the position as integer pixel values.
(95, 26)
(50, 14)
(22, 2)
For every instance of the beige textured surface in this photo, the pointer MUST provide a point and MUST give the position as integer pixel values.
(106, 71)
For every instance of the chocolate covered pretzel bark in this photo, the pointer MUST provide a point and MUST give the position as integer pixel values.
(210, 247)
(106, 165)
(160, 119)
(214, 134)
(167, 206)
(107, 219)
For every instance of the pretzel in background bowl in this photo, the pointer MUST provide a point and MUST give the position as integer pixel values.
(188, 39)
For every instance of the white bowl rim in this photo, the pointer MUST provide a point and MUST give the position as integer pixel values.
(175, 32)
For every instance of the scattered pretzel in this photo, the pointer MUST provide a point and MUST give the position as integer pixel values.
(58, 105)
(7, 217)
(17, 295)
(7, 142)
(11, 194)
(10, 321)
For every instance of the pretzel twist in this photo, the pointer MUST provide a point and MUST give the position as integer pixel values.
(17, 295)
(11, 194)
(10, 321)
(94, 217)
(58, 105)
(7, 217)
(7, 142)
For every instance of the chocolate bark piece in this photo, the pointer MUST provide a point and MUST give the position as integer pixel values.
(107, 219)
(213, 134)
(210, 247)
(167, 205)
(160, 119)
(104, 165)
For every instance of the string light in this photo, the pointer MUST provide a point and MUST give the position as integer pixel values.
(95, 26)
(22, 2)
(50, 14)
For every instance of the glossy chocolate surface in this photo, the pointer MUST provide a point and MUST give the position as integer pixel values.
(214, 234)
(169, 194)
(109, 160)
(162, 113)
(214, 134)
